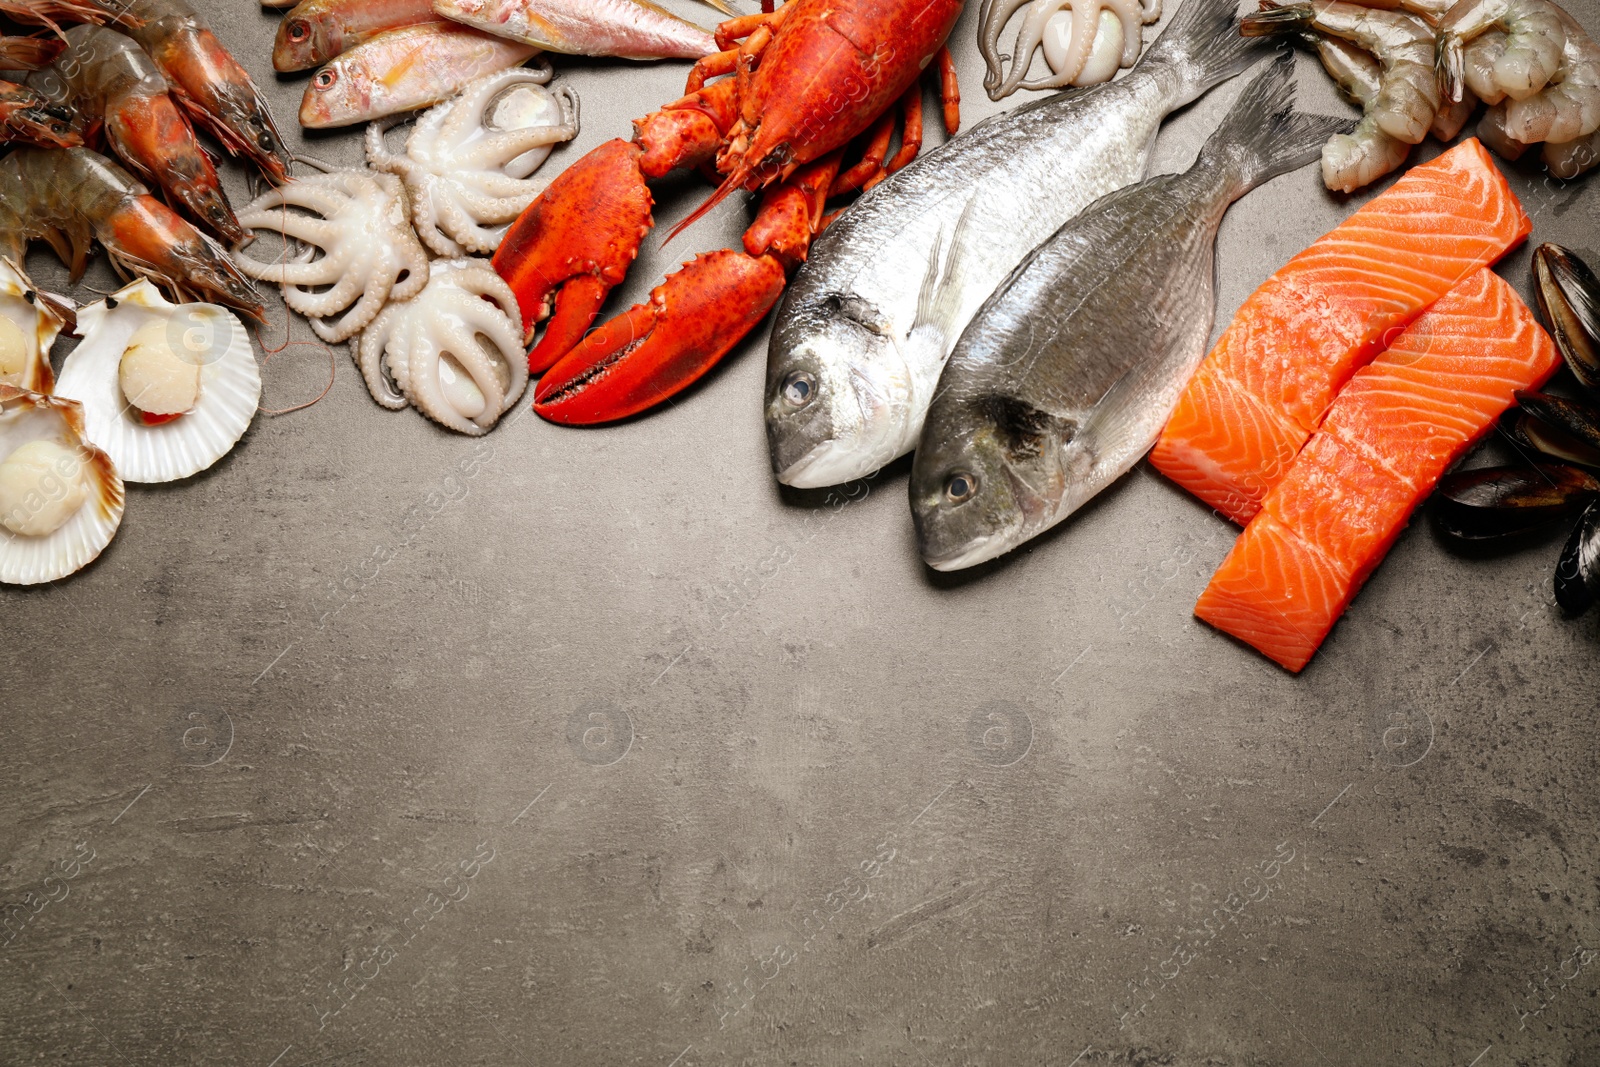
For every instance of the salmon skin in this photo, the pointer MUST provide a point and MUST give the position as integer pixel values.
(1395, 429)
(1265, 386)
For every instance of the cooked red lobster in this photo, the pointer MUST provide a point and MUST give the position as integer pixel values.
(796, 86)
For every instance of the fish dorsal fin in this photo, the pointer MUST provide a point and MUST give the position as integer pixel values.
(939, 302)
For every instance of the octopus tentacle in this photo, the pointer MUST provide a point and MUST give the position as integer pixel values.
(369, 358)
(1132, 18)
(464, 178)
(465, 311)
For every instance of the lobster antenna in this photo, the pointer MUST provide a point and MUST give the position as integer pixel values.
(740, 175)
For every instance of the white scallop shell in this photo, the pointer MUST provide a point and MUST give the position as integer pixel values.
(230, 386)
(20, 301)
(25, 417)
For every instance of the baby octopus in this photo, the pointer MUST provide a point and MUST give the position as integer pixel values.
(454, 350)
(369, 254)
(466, 165)
(1084, 41)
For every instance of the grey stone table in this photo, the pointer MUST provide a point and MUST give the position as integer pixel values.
(377, 745)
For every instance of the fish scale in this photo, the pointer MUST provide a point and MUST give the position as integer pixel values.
(1063, 380)
(849, 343)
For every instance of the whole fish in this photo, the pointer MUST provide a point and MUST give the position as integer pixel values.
(315, 31)
(1065, 376)
(851, 367)
(631, 29)
(403, 70)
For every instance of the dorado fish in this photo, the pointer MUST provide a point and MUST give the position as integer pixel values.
(852, 364)
(1063, 379)
(631, 29)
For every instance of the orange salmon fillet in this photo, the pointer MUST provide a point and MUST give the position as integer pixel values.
(1394, 430)
(1263, 389)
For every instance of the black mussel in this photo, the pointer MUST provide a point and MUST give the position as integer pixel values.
(1574, 418)
(1569, 296)
(1534, 437)
(1494, 502)
(1578, 571)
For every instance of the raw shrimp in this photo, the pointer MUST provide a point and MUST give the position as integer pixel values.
(1408, 92)
(1534, 31)
(1452, 117)
(205, 78)
(1569, 159)
(27, 116)
(1477, 67)
(112, 85)
(1430, 10)
(1366, 153)
(46, 12)
(1569, 108)
(70, 196)
(28, 53)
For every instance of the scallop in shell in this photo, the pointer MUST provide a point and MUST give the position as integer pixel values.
(60, 496)
(136, 334)
(30, 321)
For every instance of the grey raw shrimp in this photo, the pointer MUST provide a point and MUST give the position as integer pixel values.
(1565, 114)
(1535, 32)
(1401, 105)
(1366, 153)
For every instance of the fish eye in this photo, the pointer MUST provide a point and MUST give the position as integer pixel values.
(798, 389)
(325, 78)
(960, 486)
(298, 31)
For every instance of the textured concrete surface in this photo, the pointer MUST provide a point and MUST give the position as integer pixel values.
(375, 745)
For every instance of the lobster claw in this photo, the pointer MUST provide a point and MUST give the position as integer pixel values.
(573, 244)
(656, 349)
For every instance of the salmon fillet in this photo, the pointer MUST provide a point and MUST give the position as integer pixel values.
(1263, 389)
(1392, 433)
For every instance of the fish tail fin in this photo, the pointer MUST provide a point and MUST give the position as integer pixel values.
(1204, 44)
(1263, 136)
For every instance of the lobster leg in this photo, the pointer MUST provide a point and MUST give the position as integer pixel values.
(693, 318)
(949, 91)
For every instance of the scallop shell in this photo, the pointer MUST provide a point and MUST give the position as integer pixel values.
(40, 316)
(230, 385)
(27, 416)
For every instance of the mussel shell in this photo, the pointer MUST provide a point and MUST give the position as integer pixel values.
(1569, 296)
(1536, 437)
(1495, 502)
(1576, 419)
(1577, 581)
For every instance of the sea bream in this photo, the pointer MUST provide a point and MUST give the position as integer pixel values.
(869, 319)
(1065, 376)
